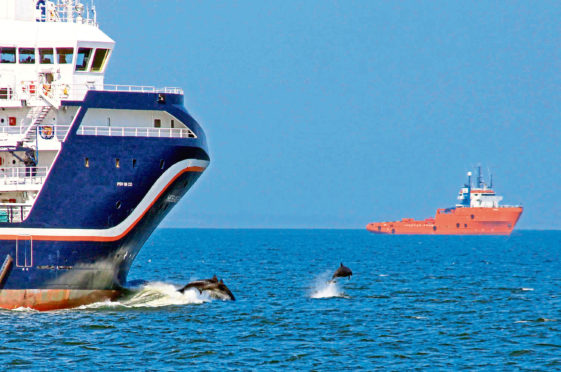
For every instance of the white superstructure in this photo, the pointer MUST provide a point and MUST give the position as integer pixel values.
(53, 52)
(49, 51)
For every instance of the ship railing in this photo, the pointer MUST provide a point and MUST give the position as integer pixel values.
(136, 132)
(23, 175)
(55, 92)
(14, 212)
(80, 90)
(140, 89)
(11, 131)
(45, 131)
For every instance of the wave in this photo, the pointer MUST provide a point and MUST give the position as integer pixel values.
(152, 295)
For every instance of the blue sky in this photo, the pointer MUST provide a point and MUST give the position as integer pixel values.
(340, 113)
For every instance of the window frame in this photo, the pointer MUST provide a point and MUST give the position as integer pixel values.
(40, 52)
(2, 53)
(19, 56)
(86, 61)
(58, 54)
(103, 62)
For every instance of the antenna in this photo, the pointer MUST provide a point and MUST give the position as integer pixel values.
(467, 201)
(490, 177)
(479, 177)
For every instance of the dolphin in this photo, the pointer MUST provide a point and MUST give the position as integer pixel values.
(216, 289)
(342, 272)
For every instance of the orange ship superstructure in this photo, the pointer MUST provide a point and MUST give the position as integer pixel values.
(478, 213)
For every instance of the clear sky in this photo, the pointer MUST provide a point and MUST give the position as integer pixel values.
(339, 113)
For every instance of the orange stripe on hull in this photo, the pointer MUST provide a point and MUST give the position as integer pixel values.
(459, 221)
(53, 299)
(106, 238)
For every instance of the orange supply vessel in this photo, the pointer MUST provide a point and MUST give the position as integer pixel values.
(478, 213)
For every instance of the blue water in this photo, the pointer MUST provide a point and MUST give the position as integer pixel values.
(413, 302)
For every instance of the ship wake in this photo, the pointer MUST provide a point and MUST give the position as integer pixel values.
(153, 295)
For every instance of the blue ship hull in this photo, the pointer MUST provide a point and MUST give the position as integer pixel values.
(89, 223)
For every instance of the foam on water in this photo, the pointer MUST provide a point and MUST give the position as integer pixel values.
(324, 288)
(155, 294)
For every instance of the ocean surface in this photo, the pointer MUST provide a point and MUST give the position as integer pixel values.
(414, 302)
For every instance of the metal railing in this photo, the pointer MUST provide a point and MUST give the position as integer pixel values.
(59, 91)
(140, 89)
(23, 175)
(14, 212)
(45, 131)
(136, 132)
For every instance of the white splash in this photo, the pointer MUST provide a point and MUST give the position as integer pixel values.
(526, 289)
(324, 288)
(155, 294)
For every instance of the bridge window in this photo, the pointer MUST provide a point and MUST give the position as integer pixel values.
(172, 124)
(157, 123)
(7, 55)
(27, 55)
(46, 56)
(65, 55)
(83, 59)
(99, 59)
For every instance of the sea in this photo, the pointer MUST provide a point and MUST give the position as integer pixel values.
(413, 302)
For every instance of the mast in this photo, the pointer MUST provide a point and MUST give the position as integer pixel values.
(479, 177)
(467, 201)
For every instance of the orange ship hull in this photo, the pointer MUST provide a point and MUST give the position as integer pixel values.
(455, 221)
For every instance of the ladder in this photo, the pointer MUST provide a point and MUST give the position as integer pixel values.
(38, 115)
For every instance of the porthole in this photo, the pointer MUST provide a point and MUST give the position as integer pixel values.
(86, 162)
(458, 225)
(465, 225)
(134, 163)
(434, 228)
(117, 163)
(472, 216)
(118, 205)
(162, 164)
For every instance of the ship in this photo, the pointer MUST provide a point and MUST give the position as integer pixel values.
(87, 169)
(477, 213)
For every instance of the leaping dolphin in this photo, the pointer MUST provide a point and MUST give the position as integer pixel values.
(216, 289)
(342, 272)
